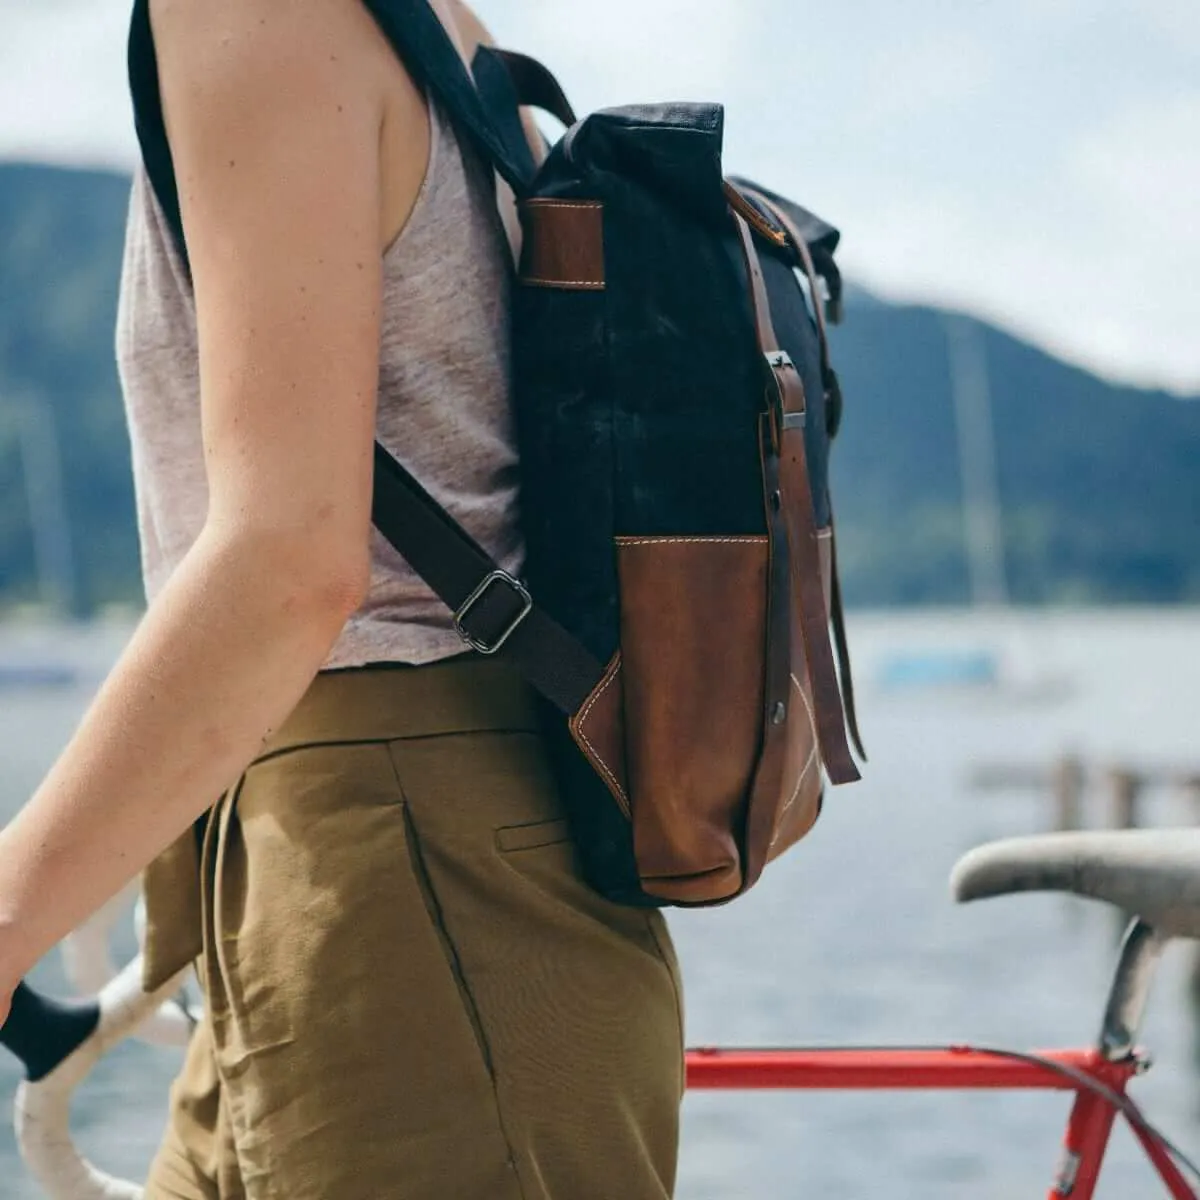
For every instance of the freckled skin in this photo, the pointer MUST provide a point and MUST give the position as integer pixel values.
(289, 195)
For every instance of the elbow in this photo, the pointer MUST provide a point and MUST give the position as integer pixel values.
(316, 579)
(338, 582)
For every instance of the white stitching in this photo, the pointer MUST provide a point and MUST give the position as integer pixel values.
(812, 723)
(536, 203)
(583, 716)
(756, 540)
(537, 281)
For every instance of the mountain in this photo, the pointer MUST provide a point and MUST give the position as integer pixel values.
(60, 255)
(1098, 483)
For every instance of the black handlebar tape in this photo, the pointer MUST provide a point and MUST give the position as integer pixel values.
(43, 1032)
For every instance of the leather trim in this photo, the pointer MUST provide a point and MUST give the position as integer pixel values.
(798, 812)
(825, 550)
(753, 216)
(797, 503)
(693, 618)
(563, 244)
(599, 731)
(833, 593)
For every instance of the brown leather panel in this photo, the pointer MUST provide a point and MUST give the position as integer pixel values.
(599, 730)
(825, 550)
(708, 887)
(800, 801)
(693, 631)
(563, 244)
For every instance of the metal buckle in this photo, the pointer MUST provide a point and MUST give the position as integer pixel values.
(474, 598)
(777, 362)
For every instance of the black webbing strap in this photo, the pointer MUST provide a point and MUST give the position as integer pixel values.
(432, 59)
(502, 103)
(533, 83)
(148, 120)
(456, 568)
(493, 612)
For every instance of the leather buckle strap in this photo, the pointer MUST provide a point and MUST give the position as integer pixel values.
(833, 409)
(801, 524)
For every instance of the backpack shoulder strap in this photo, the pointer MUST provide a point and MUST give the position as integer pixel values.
(493, 612)
(431, 58)
(420, 41)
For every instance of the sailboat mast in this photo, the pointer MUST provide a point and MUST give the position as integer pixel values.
(41, 463)
(982, 525)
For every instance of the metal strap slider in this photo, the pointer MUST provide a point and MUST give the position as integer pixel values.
(496, 578)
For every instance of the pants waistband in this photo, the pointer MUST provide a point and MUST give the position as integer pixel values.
(469, 694)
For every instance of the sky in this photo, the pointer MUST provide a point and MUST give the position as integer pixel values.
(1035, 162)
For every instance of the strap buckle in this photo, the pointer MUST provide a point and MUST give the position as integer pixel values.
(489, 581)
(779, 363)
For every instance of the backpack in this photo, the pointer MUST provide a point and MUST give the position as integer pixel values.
(675, 405)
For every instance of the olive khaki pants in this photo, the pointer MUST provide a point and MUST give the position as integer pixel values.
(410, 993)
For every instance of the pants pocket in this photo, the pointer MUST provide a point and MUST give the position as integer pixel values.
(343, 1031)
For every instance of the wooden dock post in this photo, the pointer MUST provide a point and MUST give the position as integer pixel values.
(1125, 790)
(1068, 779)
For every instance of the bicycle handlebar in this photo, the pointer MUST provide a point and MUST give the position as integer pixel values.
(43, 1032)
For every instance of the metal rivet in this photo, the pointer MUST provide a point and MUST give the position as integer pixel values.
(779, 713)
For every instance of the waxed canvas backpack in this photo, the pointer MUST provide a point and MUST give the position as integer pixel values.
(675, 405)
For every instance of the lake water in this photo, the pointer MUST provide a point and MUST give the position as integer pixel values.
(852, 937)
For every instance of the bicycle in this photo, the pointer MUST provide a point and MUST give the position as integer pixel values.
(1153, 873)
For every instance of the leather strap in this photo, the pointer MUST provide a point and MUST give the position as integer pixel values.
(843, 647)
(454, 566)
(426, 49)
(829, 377)
(800, 245)
(801, 521)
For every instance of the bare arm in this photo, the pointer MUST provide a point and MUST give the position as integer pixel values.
(276, 138)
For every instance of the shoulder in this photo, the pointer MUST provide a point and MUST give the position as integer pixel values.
(278, 50)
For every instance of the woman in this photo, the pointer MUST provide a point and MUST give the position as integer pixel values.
(409, 991)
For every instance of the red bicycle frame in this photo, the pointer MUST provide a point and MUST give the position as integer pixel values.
(1099, 1076)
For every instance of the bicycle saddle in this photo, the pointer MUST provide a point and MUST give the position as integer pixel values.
(1150, 873)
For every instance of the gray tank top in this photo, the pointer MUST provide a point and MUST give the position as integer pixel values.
(444, 408)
